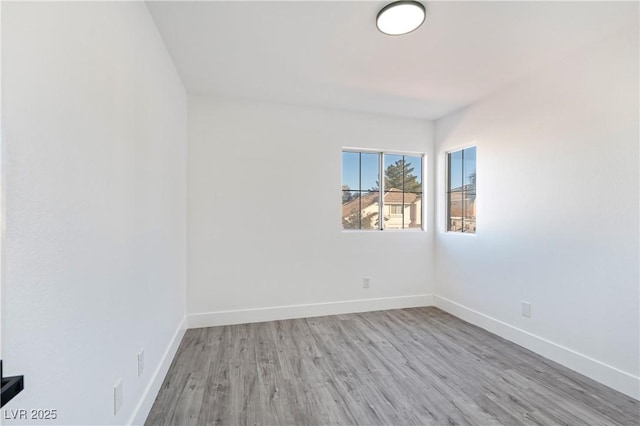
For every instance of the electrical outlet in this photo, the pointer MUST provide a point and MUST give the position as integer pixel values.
(526, 309)
(366, 282)
(117, 396)
(140, 362)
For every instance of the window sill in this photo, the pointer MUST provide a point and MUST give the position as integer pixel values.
(382, 231)
(469, 234)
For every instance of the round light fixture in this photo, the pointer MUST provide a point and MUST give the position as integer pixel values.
(400, 17)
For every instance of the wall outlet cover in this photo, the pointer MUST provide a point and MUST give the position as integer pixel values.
(526, 309)
(140, 362)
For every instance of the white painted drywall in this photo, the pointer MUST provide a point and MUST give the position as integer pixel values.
(558, 191)
(94, 125)
(264, 216)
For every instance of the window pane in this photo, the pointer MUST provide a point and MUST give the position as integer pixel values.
(393, 209)
(461, 197)
(369, 210)
(403, 191)
(393, 172)
(350, 210)
(469, 226)
(455, 171)
(412, 174)
(469, 168)
(413, 211)
(455, 224)
(469, 217)
(369, 172)
(350, 170)
(454, 201)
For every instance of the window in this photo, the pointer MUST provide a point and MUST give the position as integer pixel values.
(461, 191)
(398, 201)
(396, 209)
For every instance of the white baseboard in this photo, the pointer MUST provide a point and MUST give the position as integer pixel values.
(243, 316)
(149, 395)
(594, 369)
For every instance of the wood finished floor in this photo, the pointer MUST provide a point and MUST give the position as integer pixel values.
(400, 367)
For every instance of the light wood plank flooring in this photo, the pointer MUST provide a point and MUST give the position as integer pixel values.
(400, 367)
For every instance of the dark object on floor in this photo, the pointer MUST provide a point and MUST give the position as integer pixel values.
(11, 386)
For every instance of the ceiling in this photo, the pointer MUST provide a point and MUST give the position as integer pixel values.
(330, 53)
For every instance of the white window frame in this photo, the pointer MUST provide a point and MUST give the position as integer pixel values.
(381, 153)
(446, 189)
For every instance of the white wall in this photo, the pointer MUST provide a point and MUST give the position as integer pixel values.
(94, 125)
(558, 189)
(264, 214)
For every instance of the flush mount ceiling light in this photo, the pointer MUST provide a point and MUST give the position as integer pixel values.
(400, 17)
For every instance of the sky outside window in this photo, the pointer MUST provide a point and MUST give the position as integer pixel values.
(355, 177)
